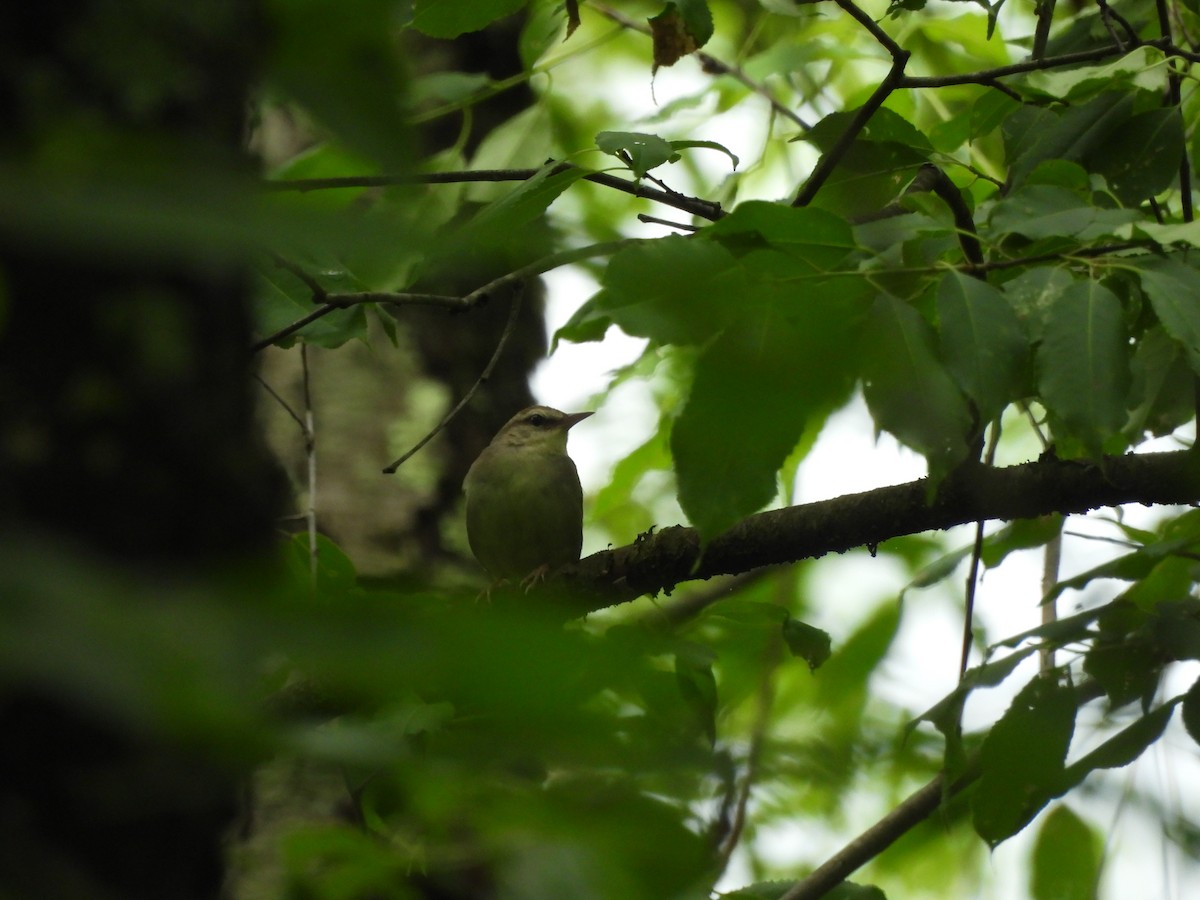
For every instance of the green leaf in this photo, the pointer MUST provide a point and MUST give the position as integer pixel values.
(357, 88)
(697, 17)
(641, 152)
(1175, 625)
(938, 570)
(682, 27)
(698, 687)
(908, 391)
(1142, 157)
(816, 238)
(1021, 760)
(1162, 395)
(760, 890)
(1137, 152)
(438, 18)
(731, 439)
(509, 217)
(1121, 749)
(1174, 294)
(707, 145)
(990, 111)
(982, 342)
(1140, 68)
(335, 572)
(946, 714)
(544, 27)
(848, 890)
(1191, 711)
(844, 684)
(1059, 632)
(1042, 210)
(1126, 567)
(810, 644)
(1024, 534)
(673, 290)
(877, 166)
(1035, 134)
(1127, 670)
(1063, 173)
(283, 299)
(1083, 367)
(588, 323)
(1183, 234)
(1034, 293)
(1171, 578)
(885, 126)
(1066, 858)
(448, 87)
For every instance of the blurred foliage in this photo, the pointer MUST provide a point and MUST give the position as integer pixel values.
(494, 750)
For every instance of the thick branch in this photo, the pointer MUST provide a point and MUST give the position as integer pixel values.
(974, 492)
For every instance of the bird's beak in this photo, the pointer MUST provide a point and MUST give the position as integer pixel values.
(572, 419)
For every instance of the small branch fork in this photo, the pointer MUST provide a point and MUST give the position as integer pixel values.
(328, 303)
(510, 325)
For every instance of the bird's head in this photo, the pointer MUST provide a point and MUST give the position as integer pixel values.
(539, 427)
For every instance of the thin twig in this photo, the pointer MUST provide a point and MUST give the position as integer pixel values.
(310, 453)
(932, 178)
(758, 736)
(399, 298)
(1110, 15)
(911, 811)
(986, 76)
(973, 569)
(705, 209)
(341, 182)
(288, 330)
(709, 64)
(335, 302)
(318, 291)
(655, 220)
(829, 161)
(885, 40)
(693, 603)
(279, 399)
(1052, 557)
(899, 821)
(1174, 100)
(510, 326)
(1041, 32)
(546, 263)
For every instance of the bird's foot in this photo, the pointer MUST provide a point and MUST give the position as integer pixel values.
(536, 577)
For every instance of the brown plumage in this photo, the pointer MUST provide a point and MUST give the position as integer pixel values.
(524, 501)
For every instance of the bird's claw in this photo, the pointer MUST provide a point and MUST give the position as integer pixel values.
(536, 577)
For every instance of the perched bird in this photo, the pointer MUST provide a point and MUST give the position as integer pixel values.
(524, 501)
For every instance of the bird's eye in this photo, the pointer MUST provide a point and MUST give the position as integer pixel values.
(537, 419)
